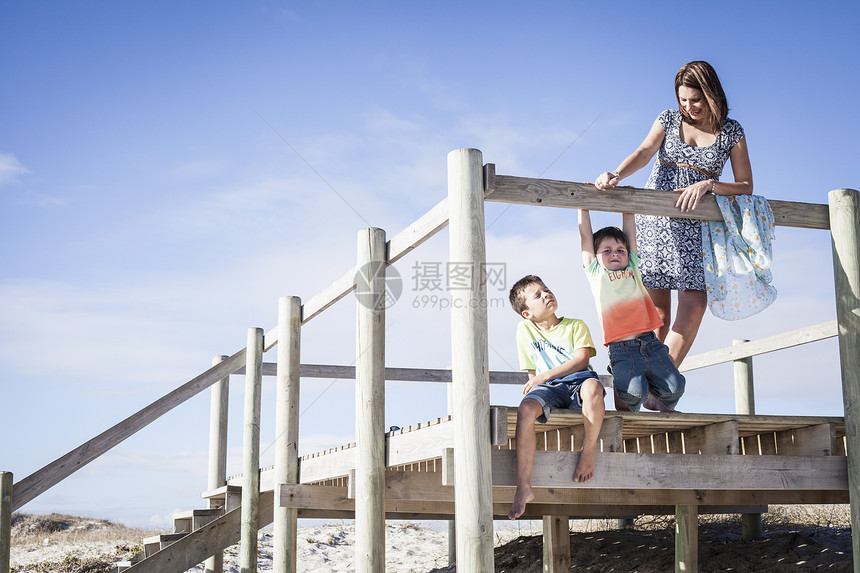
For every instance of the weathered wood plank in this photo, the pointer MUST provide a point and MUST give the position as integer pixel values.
(638, 424)
(611, 434)
(498, 425)
(546, 497)
(418, 232)
(423, 444)
(39, 481)
(845, 215)
(818, 440)
(718, 438)
(341, 287)
(572, 195)
(761, 346)
(680, 471)
(564, 501)
(399, 246)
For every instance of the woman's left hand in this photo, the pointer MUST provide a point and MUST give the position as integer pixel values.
(690, 195)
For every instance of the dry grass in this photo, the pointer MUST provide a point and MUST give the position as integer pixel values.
(42, 535)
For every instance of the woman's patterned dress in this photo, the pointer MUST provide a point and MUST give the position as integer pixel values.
(670, 248)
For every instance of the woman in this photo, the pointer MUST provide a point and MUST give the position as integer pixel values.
(692, 145)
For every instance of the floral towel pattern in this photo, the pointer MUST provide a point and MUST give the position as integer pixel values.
(736, 255)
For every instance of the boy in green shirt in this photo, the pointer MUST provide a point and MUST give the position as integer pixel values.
(555, 352)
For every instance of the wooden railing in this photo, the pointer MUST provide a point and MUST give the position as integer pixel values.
(497, 188)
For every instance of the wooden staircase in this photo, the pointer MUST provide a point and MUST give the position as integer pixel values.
(198, 533)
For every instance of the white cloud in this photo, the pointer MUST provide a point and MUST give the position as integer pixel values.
(11, 170)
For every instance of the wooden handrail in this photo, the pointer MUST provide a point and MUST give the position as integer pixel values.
(396, 248)
(761, 346)
(570, 195)
(36, 483)
(765, 345)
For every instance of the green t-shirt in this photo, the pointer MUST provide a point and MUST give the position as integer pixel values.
(542, 350)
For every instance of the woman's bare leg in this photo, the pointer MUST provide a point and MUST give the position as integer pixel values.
(663, 301)
(680, 336)
(691, 309)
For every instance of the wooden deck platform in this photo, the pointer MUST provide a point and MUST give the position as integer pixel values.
(649, 463)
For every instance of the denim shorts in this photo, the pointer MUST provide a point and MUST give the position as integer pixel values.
(561, 393)
(642, 366)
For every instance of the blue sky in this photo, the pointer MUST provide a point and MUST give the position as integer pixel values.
(167, 171)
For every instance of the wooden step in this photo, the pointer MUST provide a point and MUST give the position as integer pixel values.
(227, 497)
(152, 545)
(188, 521)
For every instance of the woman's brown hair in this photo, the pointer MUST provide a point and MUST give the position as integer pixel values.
(701, 76)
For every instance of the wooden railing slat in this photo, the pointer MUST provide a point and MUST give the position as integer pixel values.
(36, 483)
(761, 346)
(572, 195)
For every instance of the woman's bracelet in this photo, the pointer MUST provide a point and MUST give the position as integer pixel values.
(615, 174)
(713, 185)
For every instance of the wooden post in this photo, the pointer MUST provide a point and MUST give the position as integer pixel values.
(370, 403)
(556, 544)
(745, 404)
(473, 499)
(744, 390)
(287, 430)
(251, 452)
(845, 234)
(686, 539)
(5, 521)
(218, 402)
(218, 407)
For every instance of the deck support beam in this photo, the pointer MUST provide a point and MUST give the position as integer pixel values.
(556, 544)
(370, 402)
(845, 235)
(686, 539)
(470, 370)
(745, 404)
(287, 429)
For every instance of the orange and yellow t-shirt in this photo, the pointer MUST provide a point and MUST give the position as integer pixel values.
(622, 301)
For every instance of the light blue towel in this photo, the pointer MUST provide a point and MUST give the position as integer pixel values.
(736, 254)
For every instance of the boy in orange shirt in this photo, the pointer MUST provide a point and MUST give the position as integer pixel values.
(642, 370)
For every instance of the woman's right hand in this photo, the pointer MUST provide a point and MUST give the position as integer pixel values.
(605, 180)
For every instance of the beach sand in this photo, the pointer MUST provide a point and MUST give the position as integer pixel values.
(820, 543)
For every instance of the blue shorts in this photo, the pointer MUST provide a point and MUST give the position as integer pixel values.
(642, 366)
(561, 393)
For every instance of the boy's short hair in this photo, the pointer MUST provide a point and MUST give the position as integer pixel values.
(610, 233)
(517, 295)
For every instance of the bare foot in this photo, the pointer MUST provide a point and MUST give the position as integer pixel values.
(523, 495)
(656, 405)
(585, 468)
